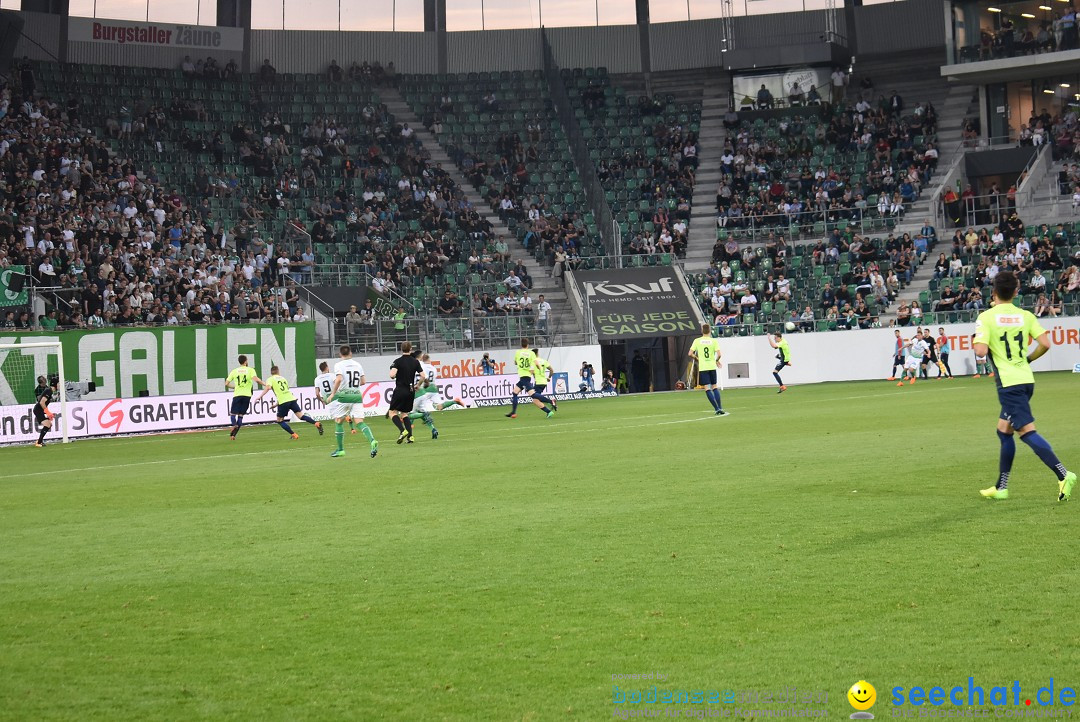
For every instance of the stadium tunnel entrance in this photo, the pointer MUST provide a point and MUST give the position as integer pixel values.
(644, 364)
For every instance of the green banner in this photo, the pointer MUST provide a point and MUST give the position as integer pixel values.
(7, 296)
(162, 361)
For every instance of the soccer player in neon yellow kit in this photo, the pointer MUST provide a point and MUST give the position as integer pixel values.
(783, 356)
(524, 360)
(286, 402)
(541, 378)
(706, 351)
(1004, 332)
(241, 380)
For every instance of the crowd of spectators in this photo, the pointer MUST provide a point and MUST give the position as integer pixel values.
(1016, 35)
(769, 178)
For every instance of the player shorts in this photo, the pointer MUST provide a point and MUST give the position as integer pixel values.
(240, 405)
(525, 383)
(427, 403)
(284, 409)
(707, 378)
(402, 400)
(898, 360)
(339, 410)
(933, 356)
(780, 366)
(911, 363)
(539, 388)
(1016, 404)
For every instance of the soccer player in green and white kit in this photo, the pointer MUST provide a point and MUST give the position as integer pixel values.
(1004, 332)
(286, 402)
(343, 398)
(706, 351)
(427, 398)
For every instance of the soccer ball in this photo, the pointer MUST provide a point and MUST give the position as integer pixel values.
(790, 326)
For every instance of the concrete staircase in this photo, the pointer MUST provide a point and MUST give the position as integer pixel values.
(701, 235)
(563, 319)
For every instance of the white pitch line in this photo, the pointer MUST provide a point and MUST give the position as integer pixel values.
(142, 463)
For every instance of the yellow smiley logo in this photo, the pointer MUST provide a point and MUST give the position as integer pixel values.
(862, 695)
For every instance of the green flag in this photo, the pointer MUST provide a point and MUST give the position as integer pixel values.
(8, 276)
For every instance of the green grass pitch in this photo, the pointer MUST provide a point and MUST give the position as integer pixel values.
(509, 569)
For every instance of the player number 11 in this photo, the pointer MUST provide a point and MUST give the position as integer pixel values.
(1019, 343)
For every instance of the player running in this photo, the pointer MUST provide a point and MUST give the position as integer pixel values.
(345, 396)
(541, 378)
(241, 380)
(43, 418)
(706, 353)
(784, 356)
(898, 355)
(286, 402)
(931, 354)
(1004, 332)
(524, 360)
(427, 399)
(915, 350)
(406, 373)
(943, 353)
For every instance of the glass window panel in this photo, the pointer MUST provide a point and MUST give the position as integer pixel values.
(511, 14)
(311, 15)
(266, 14)
(565, 13)
(617, 12)
(207, 12)
(122, 9)
(174, 11)
(81, 8)
(704, 9)
(667, 11)
(10, 4)
(409, 15)
(764, 7)
(367, 14)
(464, 15)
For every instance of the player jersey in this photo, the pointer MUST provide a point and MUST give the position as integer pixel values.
(280, 387)
(784, 350)
(899, 346)
(1008, 331)
(707, 350)
(541, 372)
(918, 349)
(351, 373)
(427, 385)
(325, 384)
(524, 360)
(243, 377)
(943, 344)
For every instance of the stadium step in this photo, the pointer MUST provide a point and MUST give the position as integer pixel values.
(563, 318)
(702, 232)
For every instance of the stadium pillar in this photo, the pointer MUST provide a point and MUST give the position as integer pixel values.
(642, 7)
(435, 22)
(849, 24)
(237, 14)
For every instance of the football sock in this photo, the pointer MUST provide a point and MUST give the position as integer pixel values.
(541, 398)
(893, 372)
(366, 431)
(1042, 449)
(285, 425)
(307, 418)
(777, 377)
(41, 435)
(232, 419)
(397, 423)
(710, 395)
(408, 424)
(1008, 451)
(513, 403)
(339, 435)
(716, 395)
(352, 423)
(447, 404)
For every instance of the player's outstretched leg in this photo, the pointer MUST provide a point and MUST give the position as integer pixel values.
(1042, 449)
(288, 429)
(513, 405)
(317, 424)
(339, 438)
(451, 403)
(370, 436)
(1008, 452)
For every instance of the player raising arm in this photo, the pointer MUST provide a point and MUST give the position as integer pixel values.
(346, 395)
(783, 357)
(240, 381)
(706, 352)
(1005, 332)
(286, 402)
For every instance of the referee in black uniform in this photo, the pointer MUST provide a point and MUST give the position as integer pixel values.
(406, 373)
